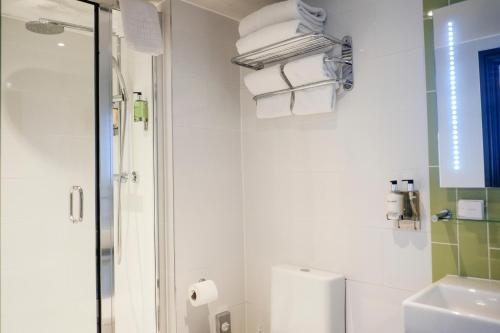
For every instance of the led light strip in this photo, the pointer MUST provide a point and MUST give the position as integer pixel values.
(453, 98)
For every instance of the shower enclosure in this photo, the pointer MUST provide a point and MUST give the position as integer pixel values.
(79, 231)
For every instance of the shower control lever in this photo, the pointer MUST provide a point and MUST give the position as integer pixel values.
(124, 177)
(72, 217)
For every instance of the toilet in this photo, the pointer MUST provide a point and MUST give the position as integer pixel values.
(307, 300)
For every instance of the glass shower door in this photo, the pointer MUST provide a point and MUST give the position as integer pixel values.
(48, 167)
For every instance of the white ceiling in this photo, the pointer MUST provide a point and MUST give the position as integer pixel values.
(71, 10)
(235, 9)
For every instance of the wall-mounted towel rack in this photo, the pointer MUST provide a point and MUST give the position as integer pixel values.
(302, 87)
(299, 47)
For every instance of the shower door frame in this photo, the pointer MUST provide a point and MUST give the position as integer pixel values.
(104, 210)
(164, 183)
(163, 155)
(104, 161)
(103, 195)
(163, 167)
(164, 251)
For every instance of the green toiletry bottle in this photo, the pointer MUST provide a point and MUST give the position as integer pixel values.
(116, 120)
(141, 110)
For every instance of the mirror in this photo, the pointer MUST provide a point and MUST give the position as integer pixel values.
(467, 56)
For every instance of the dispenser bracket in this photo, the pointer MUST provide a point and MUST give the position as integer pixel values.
(409, 218)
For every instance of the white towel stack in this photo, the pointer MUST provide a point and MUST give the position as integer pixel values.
(271, 34)
(277, 22)
(280, 12)
(309, 70)
(266, 80)
(300, 72)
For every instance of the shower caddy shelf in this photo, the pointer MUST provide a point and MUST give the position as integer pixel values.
(299, 47)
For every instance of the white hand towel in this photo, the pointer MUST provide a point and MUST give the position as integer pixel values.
(272, 34)
(267, 80)
(281, 12)
(309, 70)
(141, 25)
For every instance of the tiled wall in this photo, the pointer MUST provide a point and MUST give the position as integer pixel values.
(465, 248)
(207, 165)
(315, 186)
(135, 289)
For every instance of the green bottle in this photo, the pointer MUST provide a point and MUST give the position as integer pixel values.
(141, 110)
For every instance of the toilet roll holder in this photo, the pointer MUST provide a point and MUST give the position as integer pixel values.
(193, 295)
(223, 319)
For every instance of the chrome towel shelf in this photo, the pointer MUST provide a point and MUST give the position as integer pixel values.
(299, 47)
(289, 48)
(302, 87)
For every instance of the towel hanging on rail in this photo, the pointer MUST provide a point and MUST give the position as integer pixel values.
(281, 12)
(309, 70)
(141, 25)
(272, 34)
(266, 80)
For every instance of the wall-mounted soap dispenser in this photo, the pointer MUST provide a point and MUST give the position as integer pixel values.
(403, 206)
(395, 203)
(141, 112)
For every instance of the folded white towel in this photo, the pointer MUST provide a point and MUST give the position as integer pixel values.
(141, 25)
(281, 12)
(267, 80)
(309, 70)
(272, 34)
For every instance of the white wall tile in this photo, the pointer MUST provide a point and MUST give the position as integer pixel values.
(208, 209)
(399, 26)
(402, 252)
(315, 187)
(372, 308)
(207, 197)
(366, 255)
(206, 84)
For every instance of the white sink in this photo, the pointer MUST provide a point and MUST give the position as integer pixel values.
(454, 305)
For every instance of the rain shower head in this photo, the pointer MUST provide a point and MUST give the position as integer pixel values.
(44, 27)
(52, 27)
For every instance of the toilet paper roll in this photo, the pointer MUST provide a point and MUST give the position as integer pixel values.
(202, 293)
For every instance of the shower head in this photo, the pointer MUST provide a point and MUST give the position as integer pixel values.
(52, 27)
(44, 27)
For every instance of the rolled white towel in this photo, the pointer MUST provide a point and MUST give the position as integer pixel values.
(281, 12)
(267, 80)
(309, 70)
(272, 34)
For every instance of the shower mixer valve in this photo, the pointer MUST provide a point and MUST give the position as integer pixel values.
(125, 177)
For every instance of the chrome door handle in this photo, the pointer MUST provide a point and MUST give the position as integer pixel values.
(78, 218)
